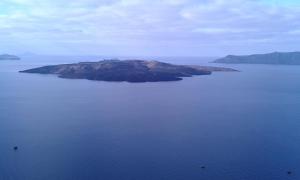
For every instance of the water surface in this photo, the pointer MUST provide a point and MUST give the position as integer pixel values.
(240, 126)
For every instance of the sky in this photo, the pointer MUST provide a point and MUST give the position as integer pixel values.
(149, 27)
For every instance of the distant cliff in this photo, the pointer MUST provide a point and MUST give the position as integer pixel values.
(127, 70)
(288, 58)
(9, 57)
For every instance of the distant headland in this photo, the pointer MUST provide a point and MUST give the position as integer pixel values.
(8, 57)
(126, 70)
(285, 58)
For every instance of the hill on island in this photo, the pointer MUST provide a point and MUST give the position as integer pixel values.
(8, 57)
(126, 70)
(287, 58)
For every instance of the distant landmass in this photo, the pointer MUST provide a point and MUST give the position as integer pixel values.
(287, 58)
(126, 70)
(8, 57)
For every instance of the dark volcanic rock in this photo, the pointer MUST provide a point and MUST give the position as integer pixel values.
(127, 70)
(8, 57)
(289, 58)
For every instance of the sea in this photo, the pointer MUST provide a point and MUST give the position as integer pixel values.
(226, 126)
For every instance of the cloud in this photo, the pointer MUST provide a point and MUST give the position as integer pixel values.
(157, 26)
(294, 32)
(224, 30)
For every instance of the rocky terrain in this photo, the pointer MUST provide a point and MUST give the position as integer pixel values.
(127, 70)
(288, 58)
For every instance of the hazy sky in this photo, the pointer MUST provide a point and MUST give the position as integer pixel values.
(149, 27)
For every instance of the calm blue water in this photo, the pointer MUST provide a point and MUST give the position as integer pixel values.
(241, 126)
